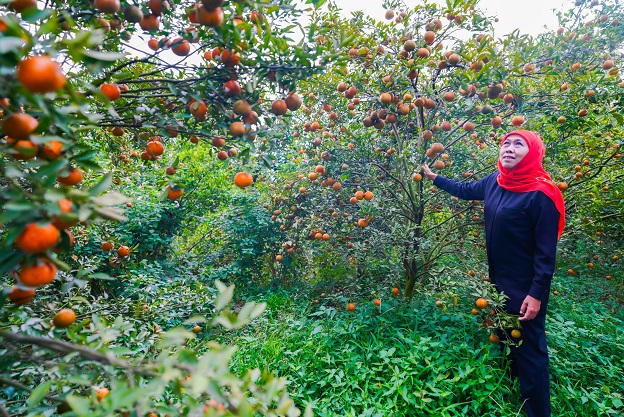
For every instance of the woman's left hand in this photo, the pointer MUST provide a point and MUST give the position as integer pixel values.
(530, 308)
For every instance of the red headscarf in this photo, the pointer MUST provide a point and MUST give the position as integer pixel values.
(529, 174)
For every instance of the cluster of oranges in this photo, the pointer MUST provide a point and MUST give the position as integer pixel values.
(122, 253)
(38, 270)
(38, 75)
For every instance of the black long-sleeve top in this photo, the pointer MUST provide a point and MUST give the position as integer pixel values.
(520, 234)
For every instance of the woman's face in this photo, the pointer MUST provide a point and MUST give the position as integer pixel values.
(512, 150)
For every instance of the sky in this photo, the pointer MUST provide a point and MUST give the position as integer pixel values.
(530, 16)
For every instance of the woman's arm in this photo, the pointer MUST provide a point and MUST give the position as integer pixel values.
(465, 190)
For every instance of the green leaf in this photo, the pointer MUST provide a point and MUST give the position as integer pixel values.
(111, 213)
(18, 206)
(195, 319)
(38, 394)
(225, 296)
(81, 406)
(102, 185)
(103, 56)
(10, 44)
(111, 199)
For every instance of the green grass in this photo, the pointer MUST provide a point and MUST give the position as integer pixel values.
(416, 359)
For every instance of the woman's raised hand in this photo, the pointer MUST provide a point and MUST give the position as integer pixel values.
(428, 173)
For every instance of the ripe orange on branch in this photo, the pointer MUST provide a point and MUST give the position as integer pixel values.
(41, 272)
(21, 5)
(64, 318)
(481, 303)
(174, 193)
(37, 238)
(243, 179)
(111, 91)
(279, 107)
(209, 17)
(40, 74)
(19, 125)
(19, 296)
(123, 251)
(73, 177)
(108, 6)
(180, 47)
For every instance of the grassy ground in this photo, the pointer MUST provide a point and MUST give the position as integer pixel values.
(416, 359)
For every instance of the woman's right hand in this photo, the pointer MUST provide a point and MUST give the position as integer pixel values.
(428, 173)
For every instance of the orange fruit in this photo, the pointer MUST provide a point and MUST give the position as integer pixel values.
(417, 177)
(21, 5)
(481, 303)
(517, 120)
(133, 14)
(377, 302)
(230, 59)
(123, 251)
(209, 17)
(279, 107)
(359, 195)
(108, 6)
(107, 246)
(237, 129)
(242, 108)
(368, 195)
(198, 109)
(19, 125)
(101, 393)
(174, 194)
(64, 318)
(474, 311)
(351, 306)
(180, 47)
(362, 222)
(515, 333)
(293, 102)
(19, 296)
(118, 131)
(111, 91)
(73, 177)
(156, 6)
(155, 147)
(65, 206)
(153, 44)
(40, 74)
(41, 272)
(197, 329)
(232, 88)
(439, 164)
(52, 149)
(279, 258)
(22, 149)
(37, 238)
(494, 338)
(395, 291)
(149, 23)
(243, 179)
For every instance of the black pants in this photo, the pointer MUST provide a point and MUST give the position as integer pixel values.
(529, 363)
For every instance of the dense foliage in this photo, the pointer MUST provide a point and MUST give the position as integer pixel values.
(154, 156)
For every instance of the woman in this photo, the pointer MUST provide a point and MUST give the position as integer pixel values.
(524, 218)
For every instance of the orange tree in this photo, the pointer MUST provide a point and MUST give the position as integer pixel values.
(433, 85)
(95, 92)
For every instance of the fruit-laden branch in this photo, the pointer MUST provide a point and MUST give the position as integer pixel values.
(88, 354)
(85, 353)
(19, 385)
